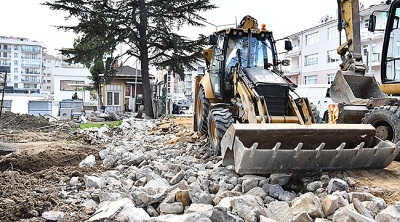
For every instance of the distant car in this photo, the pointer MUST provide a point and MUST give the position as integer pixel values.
(181, 100)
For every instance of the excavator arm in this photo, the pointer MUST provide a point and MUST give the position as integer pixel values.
(350, 51)
(351, 85)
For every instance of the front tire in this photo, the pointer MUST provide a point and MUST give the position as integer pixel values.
(386, 121)
(219, 120)
(201, 112)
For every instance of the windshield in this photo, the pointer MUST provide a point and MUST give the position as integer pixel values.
(261, 52)
(393, 49)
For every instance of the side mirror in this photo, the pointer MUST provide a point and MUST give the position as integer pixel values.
(212, 40)
(288, 45)
(371, 23)
(285, 62)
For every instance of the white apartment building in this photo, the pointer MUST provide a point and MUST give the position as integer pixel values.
(22, 59)
(49, 64)
(314, 58)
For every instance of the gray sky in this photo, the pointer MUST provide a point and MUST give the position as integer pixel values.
(26, 18)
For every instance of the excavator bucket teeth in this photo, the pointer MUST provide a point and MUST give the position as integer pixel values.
(279, 148)
(348, 88)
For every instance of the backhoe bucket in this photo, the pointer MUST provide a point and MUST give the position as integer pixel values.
(350, 88)
(279, 148)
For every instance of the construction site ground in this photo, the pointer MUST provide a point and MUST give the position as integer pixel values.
(47, 153)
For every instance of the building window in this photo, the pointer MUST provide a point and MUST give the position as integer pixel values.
(48, 61)
(48, 68)
(15, 55)
(112, 98)
(48, 81)
(330, 78)
(113, 95)
(48, 87)
(333, 33)
(15, 62)
(311, 60)
(67, 85)
(48, 74)
(312, 38)
(15, 78)
(333, 56)
(310, 80)
(15, 70)
(15, 47)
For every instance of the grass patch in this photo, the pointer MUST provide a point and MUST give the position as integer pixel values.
(99, 125)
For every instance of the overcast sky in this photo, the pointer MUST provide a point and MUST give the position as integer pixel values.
(29, 19)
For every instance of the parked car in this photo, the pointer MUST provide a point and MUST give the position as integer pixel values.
(181, 100)
(317, 94)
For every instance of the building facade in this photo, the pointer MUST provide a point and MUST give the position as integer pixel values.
(314, 58)
(22, 59)
(49, 64)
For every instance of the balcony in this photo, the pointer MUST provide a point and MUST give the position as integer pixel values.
(366, 35)
(32, 66)
(294, 70)
(294, 53)
(28, 57)
(5, 64)
(5, 57)
(30, 73)
(33, 51)
(5, 49)
(375, 61)
(30, 80)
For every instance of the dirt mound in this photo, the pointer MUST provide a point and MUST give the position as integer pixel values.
(37, 156)
(10, 120)
(32, 178)
(28, 195)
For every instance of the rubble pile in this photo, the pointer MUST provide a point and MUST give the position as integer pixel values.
(10, 120)
(157, 171)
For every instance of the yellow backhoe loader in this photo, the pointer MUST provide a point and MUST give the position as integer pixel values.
(243, 104)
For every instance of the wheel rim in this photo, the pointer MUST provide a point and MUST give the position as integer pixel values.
(213, 130)
(384, 130)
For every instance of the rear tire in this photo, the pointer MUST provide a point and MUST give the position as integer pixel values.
(316, 115)
(219, 120)
(201, 112)
(386, 121)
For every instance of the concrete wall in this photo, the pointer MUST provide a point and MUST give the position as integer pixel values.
(20, 102)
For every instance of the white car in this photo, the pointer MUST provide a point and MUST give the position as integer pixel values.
(181, 100)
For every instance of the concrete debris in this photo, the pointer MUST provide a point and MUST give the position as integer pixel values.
(53, 215)
(154, 176)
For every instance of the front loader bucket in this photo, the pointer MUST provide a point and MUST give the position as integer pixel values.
(280, 148)
(349, 88)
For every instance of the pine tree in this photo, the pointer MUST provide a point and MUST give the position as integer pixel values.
(149, 27)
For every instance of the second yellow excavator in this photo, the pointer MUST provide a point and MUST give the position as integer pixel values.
(360, 98)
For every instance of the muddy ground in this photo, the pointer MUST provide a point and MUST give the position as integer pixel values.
(48, 155)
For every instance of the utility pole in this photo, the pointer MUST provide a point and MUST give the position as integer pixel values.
(2, 96)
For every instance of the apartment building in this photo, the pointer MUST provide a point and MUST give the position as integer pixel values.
(22, 60)
(314, 58)
(49, 64)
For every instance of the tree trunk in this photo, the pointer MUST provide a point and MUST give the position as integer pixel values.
(144, 61)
